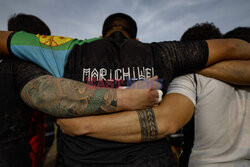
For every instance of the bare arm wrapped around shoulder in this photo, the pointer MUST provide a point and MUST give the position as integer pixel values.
(227, 49)
(219, 49)
(234, 71)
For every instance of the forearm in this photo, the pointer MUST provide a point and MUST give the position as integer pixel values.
(134, 126)
(127, 126)
(227, 49)
(62, 97)
(120, 127)
(234, 72)
(3, 42)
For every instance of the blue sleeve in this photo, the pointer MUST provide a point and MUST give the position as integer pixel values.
(49, 52)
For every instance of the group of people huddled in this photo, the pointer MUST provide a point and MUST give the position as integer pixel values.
(103, 94)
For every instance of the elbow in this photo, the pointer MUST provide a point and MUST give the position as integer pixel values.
(235, 48)
(83, 126)
(232, 47)
(167, 125)
(46, 103)
(167, 129)
(37, 92)
(83, 130)
(47, 100)
(73, 132)
(72, 127)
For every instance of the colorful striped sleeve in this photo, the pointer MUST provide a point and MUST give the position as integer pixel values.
(49, 52)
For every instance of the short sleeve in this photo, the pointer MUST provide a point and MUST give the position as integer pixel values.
(178, 58)
(49, 52)
(25, 72)
(184, 85)
(184, 57)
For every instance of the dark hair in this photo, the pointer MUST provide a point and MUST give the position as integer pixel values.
(239, 32)
(28, 23)
(202, 31)
(120, 19)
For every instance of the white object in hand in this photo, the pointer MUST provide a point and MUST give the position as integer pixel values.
(160, 93)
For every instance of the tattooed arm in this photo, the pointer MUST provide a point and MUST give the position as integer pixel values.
(134, 126)
(62, 97)
(128, 124)
(234, 72)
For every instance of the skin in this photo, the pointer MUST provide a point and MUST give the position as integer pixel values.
(219, 49)
(117, 28)
(55, 97)
(3, 42)
(62, 97)
(227, 49)
(234, 72)
(149, 129)
(130, 127)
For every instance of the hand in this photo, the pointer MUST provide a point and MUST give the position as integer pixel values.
(142, 94)
(72, 126)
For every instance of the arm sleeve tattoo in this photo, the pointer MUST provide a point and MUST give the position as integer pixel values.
(149, 130)
(62, 97)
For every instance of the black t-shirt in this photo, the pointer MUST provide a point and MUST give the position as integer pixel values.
(105, 63)
(15, 115)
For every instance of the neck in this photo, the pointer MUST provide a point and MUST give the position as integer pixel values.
(117, 35)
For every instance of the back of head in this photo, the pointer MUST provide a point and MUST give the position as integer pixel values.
(239, 32)
(28, 23)
(120, 21)
(202, 31)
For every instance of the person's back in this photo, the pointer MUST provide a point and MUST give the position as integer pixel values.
(197, 32)
(15, 119)
(222, 122)
(111, 62)
(115, 62)
(226, 141)
(169, 59)
(221, 119)
(15, 115)
(42, 126)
